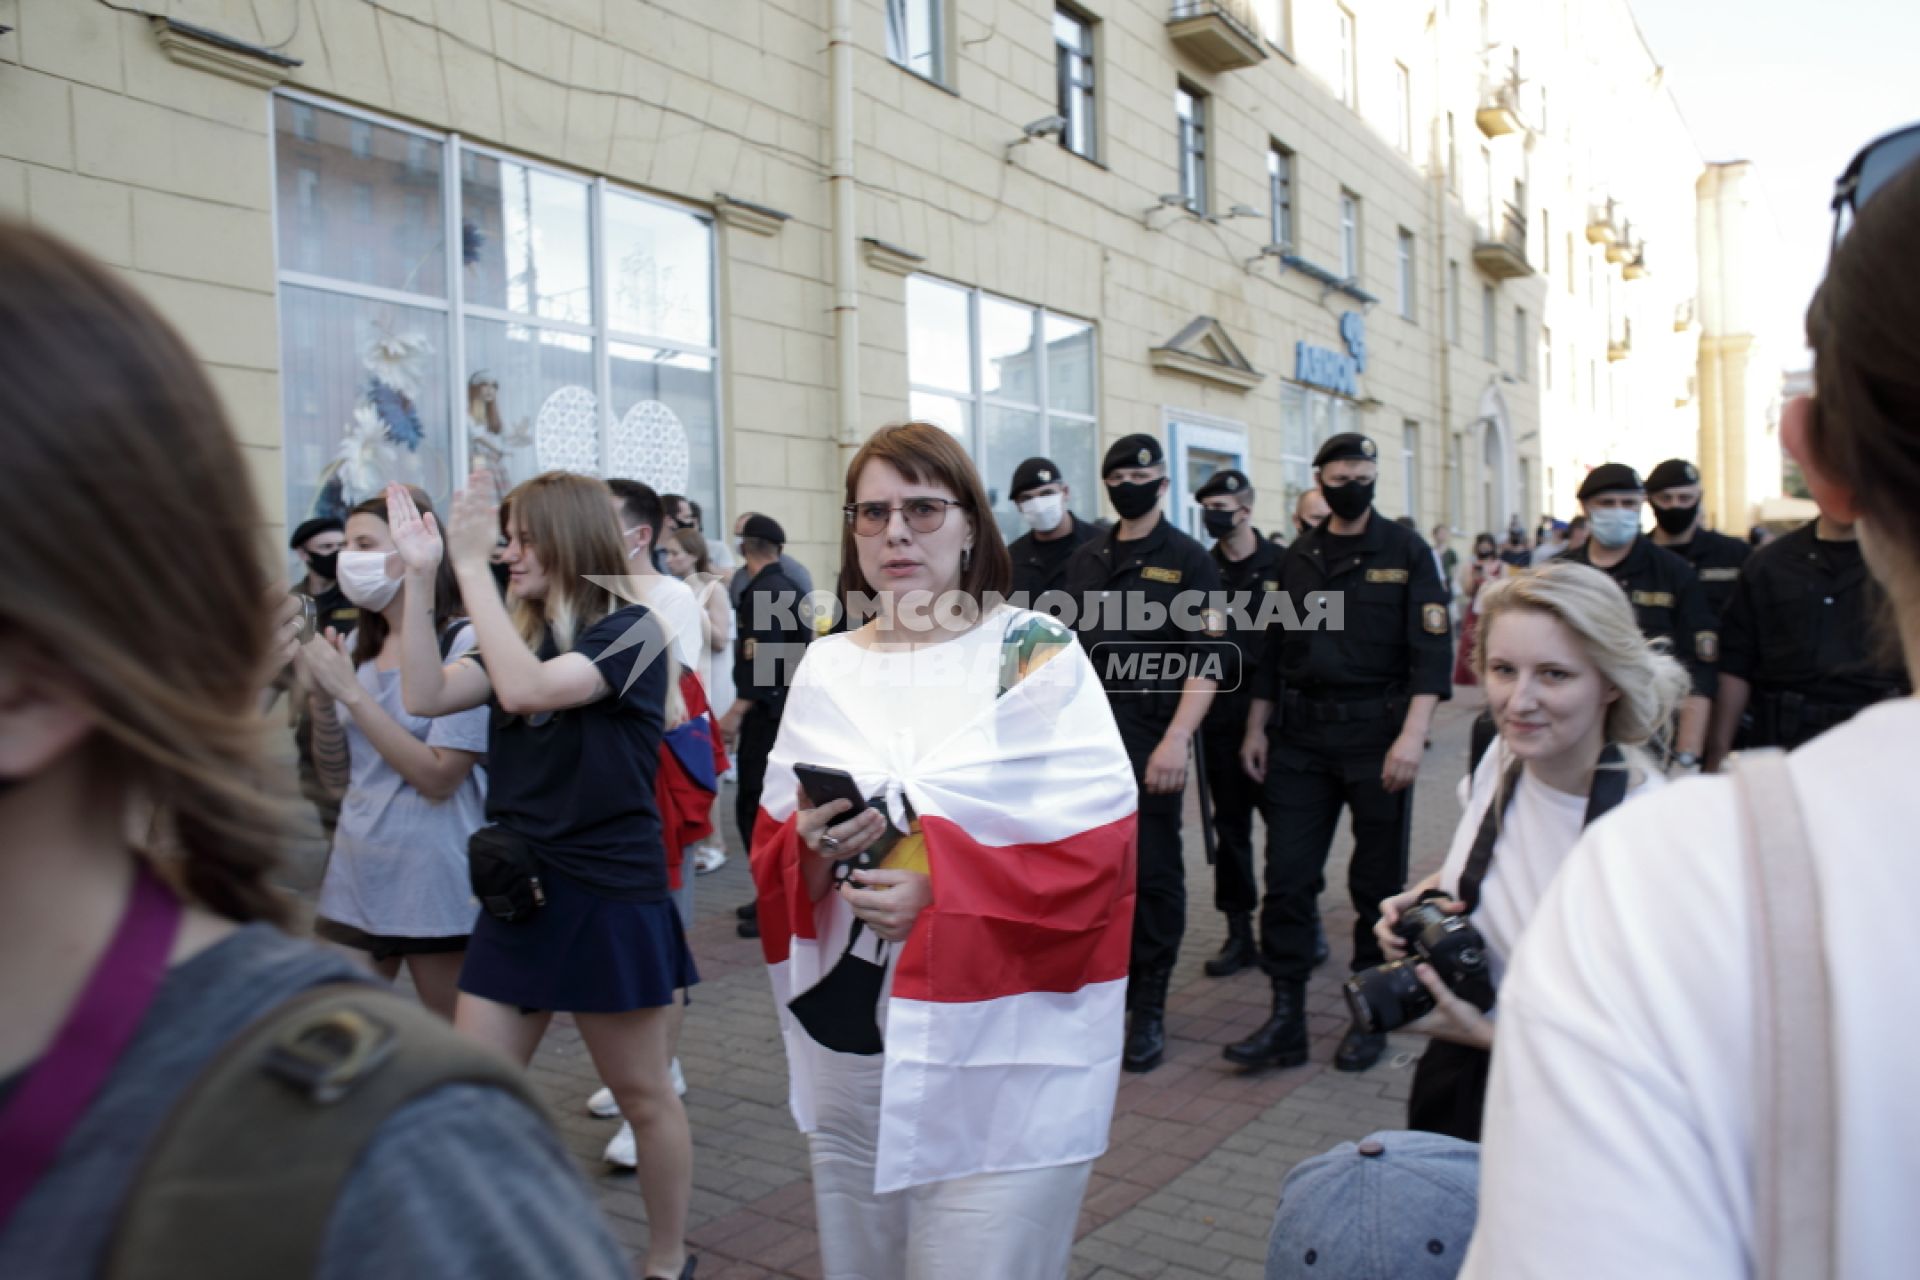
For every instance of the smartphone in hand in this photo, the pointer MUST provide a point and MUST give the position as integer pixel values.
(824, 785)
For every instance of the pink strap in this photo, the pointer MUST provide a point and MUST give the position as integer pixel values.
(64, 1082)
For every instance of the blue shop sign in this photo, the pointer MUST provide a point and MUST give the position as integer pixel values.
(1333, 370)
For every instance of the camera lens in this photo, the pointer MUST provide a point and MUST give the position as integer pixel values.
(1387, 996)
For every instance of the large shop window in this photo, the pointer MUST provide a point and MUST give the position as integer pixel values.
(1011, 381)
(445, 307)
(1308, 419)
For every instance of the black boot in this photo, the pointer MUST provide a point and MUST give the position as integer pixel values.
(1146, 1027)
(748, 910)
(1281, 1040)
(1320, 951)
(1359, 1049)
(1238, 951)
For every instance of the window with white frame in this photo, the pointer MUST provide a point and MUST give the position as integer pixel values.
(1073, 76)
(1488, 337)
(1190, 105)
(1453, 301)
(1403, 108)
(1308, 419)
(494, 314)
(1274, 20)
(1406, 276)
(1410, 464)
(1349, 72)
(1453, 157)
(916, 37)
(1012, 381)
(1349, 236)
(1520, 343)
(1280, 192)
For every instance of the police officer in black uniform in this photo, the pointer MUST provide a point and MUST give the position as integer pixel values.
(1799, 647)
(1249, 566)
(1040, 555)
(772, 636)
(1673, 490)
(1340, 718)
(1667, 600)
(1143, 589)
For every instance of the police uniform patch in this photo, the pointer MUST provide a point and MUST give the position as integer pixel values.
(1154, 573)
(1269, 585)
(1386, 575)
(1145, 456)
(1046, 477)
(1727, 574)
(1233, 484)
(1433, 618)
(1369, 448)
(1653, 599)
(1706, 646)
(1216, 622)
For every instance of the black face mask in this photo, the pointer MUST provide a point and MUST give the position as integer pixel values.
(1134, 500)
(325, 565)
(841, 1012)
(1219, 523)
(1350, 500)
(1675, 519)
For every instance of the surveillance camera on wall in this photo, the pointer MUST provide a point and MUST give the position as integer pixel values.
(1044, 126)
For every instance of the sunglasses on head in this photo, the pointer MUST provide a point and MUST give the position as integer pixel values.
(1870, 170)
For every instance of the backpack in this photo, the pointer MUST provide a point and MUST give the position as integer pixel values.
(243, 1176)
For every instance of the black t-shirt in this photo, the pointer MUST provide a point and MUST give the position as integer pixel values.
(578, 784)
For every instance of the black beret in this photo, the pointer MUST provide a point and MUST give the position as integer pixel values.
(317, 525)
(1132, 451)
(1348, 446)
(1671, 474)
(1033, 473)
(1610, 477)
(765, 528)
(1223, 483)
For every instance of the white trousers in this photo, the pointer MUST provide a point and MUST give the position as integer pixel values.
(1009, 1226)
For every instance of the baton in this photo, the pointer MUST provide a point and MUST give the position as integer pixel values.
(1206, 799)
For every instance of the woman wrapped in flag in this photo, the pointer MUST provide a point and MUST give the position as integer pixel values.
(950, 961)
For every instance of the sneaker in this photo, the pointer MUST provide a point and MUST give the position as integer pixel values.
(622, 1152)
(708, 857)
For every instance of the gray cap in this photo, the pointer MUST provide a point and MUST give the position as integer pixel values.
(1393, 1206)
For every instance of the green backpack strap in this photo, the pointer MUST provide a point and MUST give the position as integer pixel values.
(242, 1178)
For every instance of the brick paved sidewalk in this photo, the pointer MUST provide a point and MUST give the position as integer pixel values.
(1199, 1148)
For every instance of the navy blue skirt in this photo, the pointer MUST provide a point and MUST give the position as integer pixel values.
(580, 953)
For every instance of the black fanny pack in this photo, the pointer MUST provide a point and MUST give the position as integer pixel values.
(505, 874)
(842, 1010)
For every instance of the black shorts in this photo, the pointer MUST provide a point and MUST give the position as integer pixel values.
(385, 947)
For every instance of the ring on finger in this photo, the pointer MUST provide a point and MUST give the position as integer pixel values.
(829, 843)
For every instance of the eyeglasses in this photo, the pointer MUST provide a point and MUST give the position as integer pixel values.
(1870, 170)
(924, 515)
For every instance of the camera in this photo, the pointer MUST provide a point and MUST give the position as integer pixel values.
(1390, 995)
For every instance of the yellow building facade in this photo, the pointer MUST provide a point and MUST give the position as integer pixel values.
(712, 243)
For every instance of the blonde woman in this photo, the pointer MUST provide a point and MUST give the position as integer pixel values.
(1576, 692)
(572, 870)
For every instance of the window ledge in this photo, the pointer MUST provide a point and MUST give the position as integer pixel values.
(923, 78)
(757, 218)
(222, 55)
(891, 258)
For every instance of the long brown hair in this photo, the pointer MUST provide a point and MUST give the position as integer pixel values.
(926, 453)
(370, 633)
(691, 542)
(568, 521)
(131, 535)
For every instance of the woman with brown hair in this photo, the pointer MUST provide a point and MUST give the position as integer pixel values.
(138, 932)
(572, 871)
(409, 789)
(951, 958)
(1705, 1062)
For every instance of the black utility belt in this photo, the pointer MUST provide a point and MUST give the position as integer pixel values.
(1341, 710)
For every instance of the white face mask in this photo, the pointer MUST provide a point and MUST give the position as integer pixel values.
(1044, 513)
(1611, 528)
(363, 579)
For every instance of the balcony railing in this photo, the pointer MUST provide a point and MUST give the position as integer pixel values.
(1636, 267)
(1499, 113)
(1602, 226)
(1620, 248)
(1683, 313)
(1620, 345)
(1220, 35)
(1501, 251)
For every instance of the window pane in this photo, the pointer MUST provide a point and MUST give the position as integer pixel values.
(365, 392)
(525, 239)
(1011, 435)
(1072, 444)
(1008, 366)
(937, 342)
(659, 270)
(1296, 440)
(954, 414)
(350, 205)
(1070, 354)
(664, 429)
(913, 35)
(530, 402)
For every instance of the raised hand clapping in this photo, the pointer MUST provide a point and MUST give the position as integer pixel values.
(415, 537)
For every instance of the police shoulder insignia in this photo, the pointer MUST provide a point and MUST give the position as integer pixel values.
(1653, 599)
(1154, 573)
(1706, 646)
(1386, 575)
(1433, 618)
(1216, 622)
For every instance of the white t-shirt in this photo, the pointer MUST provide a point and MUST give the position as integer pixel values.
(1539, 830)
(1620, 1115)
(680, 614)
